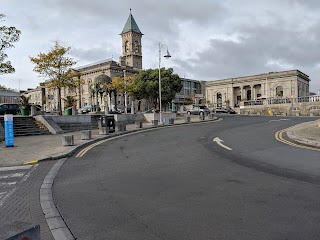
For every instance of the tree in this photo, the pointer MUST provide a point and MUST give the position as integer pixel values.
(57, 67)
(6, 89)
(146, 85)
(123, 84)
(8, 35)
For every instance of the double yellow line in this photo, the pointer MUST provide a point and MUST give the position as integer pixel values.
(85, 150)
(279, 137)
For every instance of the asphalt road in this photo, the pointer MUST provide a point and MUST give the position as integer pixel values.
(176, 183)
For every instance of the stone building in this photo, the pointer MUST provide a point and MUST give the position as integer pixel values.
(93, 76)
(9, 97)
(232, 91)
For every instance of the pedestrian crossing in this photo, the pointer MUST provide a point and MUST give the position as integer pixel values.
(11, 178)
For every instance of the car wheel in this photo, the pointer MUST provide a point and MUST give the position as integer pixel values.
(201, 113)
(189, 113)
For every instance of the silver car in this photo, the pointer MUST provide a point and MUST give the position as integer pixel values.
(199, 110)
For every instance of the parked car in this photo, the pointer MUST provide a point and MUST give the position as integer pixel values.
(198, 110)
(85, 109)
(224, 110)
(9, 108)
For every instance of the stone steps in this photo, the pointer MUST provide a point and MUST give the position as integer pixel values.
(26, 126)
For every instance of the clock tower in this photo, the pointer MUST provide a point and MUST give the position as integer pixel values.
(131, 44)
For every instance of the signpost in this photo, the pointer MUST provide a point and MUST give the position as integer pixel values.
(8, 130)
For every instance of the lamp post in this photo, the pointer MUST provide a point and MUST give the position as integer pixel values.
(125, 94)
(167, 56)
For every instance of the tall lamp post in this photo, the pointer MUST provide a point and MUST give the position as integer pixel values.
(125, 94)
(167, 56)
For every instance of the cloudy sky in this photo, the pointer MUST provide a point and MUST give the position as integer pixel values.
(208, 39)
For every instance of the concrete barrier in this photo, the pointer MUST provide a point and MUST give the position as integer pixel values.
(138, 124)
(17, 230)
(103, 130)
(188, 119)
(171, 120)
(211, 116)
(154, 123)
(86, 135)
(122, 127)
(68, 140)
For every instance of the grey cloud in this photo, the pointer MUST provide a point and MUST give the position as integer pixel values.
(259, 46)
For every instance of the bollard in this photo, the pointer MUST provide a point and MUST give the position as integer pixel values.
(211, 115)
(188, 119)
(122, 127)
(154, 123)
(138, 124)
(202, 117)
(33, 110)
(103, 130)
(67, 140)
(86, 135)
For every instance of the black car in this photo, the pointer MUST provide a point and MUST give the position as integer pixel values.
(9, 108)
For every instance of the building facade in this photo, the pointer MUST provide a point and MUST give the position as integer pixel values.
(232, 91)
(93, 76)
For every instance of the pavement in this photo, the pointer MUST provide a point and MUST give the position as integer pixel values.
(36, 191)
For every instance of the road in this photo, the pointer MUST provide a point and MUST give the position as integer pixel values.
(177, 183)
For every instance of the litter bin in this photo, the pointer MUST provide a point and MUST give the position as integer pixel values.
(107, 121)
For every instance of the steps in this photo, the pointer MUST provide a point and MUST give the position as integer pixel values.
(26, 126)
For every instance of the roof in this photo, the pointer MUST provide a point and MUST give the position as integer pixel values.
(131, 25)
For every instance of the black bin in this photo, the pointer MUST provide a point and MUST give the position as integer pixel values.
(107, 121)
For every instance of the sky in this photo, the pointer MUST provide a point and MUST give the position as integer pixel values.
(207, 39)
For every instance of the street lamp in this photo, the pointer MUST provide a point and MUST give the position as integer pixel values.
(125, 94)
(167, 56)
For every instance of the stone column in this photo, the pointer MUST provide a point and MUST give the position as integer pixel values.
(241, 92)
(252, 95)
(232, 97)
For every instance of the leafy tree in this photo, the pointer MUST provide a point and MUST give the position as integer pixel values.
(8, 35)
(57, 67)
(6, 89)
(146, 85)
(123, 84)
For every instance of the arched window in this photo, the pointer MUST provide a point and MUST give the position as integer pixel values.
(279, 91)
(136, 46)
(126, 47)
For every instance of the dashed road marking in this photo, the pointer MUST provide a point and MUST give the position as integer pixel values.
(10, 179)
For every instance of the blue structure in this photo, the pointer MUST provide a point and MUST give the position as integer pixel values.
(8, 130)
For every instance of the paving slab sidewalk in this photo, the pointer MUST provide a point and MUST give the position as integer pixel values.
(307, 133)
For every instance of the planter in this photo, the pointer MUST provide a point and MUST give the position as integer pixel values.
(25, 111)
(68, 111)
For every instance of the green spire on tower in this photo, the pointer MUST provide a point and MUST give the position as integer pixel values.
(131, 25)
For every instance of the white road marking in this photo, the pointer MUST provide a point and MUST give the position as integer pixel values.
(277, 120)
(14, 175)
(6, 196)
(218, 141)
(24, 176)
(2, 169)
(7, 183)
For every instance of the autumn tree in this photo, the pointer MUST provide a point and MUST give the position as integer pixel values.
(8, 35)
(146, 85)
(124, 85)
(56, 66)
